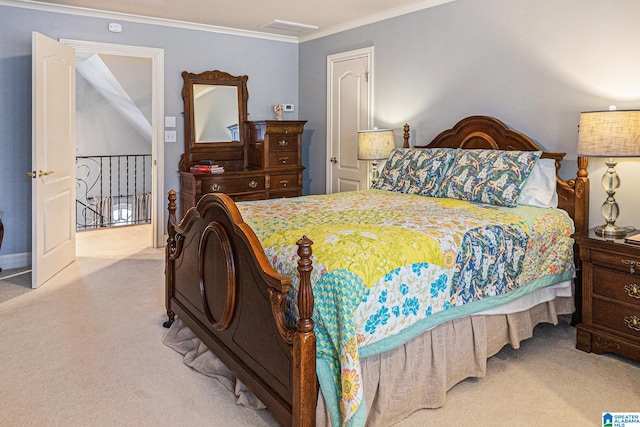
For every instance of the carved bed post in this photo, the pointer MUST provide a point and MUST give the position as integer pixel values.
(582, 195)
(405, 135)
(169, 250)
(305, 390)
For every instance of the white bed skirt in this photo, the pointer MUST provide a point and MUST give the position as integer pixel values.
(435, 361)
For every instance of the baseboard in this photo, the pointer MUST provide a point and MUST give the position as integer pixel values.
(20, 260)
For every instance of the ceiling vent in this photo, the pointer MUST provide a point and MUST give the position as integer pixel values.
(287, 26)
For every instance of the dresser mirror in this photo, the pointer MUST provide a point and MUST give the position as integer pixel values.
(215, 111)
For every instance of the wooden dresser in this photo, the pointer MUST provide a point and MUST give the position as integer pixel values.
(261, 159)
(274, 167)
(610, 296)
(276, 146)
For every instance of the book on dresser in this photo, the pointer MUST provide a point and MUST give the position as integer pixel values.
(206, 168)
(634, 238)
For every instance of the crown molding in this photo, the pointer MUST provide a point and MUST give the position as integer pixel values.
(366, 20)
(81, 11)
(371, 19)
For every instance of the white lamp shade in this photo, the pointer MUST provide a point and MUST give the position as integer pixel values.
(375, 144)
(612, 133)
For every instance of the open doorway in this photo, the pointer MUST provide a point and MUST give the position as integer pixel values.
(113, 141)
(124, 142)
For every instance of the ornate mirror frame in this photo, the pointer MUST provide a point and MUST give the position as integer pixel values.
(228, 153)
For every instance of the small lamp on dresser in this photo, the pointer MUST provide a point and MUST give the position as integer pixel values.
(610, 134)
(374, 145)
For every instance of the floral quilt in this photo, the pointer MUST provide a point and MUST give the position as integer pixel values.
(388, 266)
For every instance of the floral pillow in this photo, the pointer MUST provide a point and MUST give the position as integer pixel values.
(494, 177)
(416, 171)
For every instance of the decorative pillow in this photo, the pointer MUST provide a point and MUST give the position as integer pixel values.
(391, 171)
(416, 171)
(494, 177)
(540, 188)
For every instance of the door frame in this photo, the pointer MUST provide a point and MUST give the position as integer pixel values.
(156, 55)
(331, 59)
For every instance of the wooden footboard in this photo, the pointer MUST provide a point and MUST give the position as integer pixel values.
(220, 283)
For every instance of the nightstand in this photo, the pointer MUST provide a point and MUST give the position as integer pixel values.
(610, 296)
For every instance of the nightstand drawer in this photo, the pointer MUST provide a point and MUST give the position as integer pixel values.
(615, 261)
(618, 317)
(619, 286)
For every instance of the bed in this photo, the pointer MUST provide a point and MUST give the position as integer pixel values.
(359, 337)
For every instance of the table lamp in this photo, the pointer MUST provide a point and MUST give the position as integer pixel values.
(610, 134)
(374, 145)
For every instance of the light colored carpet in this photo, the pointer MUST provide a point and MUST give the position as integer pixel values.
(14, 282)
(86, 349)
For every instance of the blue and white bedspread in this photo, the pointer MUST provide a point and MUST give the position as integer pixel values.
(388, 266)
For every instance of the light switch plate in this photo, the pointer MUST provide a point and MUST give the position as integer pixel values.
(169, 136)
(170, 122)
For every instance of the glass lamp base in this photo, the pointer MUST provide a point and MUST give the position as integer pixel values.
(612, 231)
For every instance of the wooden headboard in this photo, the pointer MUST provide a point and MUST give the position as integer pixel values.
(483, 132)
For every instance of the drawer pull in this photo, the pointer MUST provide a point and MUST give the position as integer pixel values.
(215, 187)
(283, 143)
(283, 159)
(633, 322)
(633, 290)
(284, 183)
(631, 264)
(253, 184)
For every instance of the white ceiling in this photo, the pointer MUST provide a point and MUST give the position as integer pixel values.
(247, 16)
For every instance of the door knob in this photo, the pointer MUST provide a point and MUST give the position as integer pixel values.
(39, 174)
(334, 159)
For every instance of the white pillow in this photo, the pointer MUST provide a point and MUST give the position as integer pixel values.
(540, 187)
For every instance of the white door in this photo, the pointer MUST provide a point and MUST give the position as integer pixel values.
(349, 110)
(53, 168)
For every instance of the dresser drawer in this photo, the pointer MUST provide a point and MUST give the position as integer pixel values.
(283, 182)
(232, 185)
(620, 286)
(294, 192)
(248, 196)
(283, 143)
(615, 261)
(618, 317)
(283, 158)
(284, 128)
